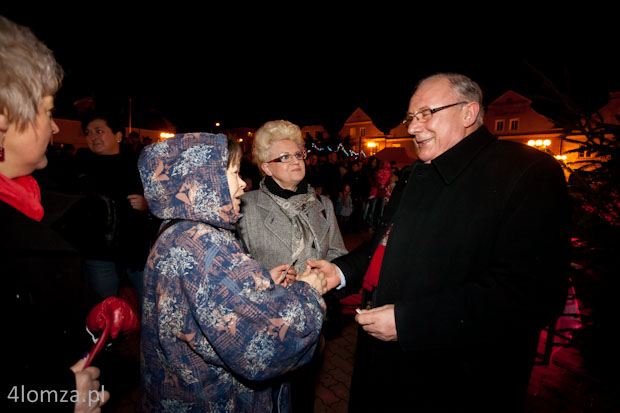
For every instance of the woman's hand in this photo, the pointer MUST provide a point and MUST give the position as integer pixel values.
(314, 278)
(280, 276)
(90, 397)
(138, 202)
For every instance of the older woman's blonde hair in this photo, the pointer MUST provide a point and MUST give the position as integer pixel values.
(28, 73)
(273, 131)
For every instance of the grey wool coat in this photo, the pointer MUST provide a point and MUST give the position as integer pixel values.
(266, 231)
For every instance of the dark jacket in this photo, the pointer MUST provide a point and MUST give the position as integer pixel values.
(476, 264)
(103, 225)
(44, 308)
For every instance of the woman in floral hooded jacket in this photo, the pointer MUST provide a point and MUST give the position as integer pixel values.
(216, 329)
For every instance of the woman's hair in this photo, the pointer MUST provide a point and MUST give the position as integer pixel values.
(270, 132)
(234, 152)
(112, 119)
(464, 88)
(28, 73)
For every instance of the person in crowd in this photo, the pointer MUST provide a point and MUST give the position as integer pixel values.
(383, 181)
(41, 294)
(285, 221)
(468, 265)
(330, 176)
(312, 170)
(111, 225)
(133, 142)
(344, 207)
(370, 203)
(249, 172)
(217, 328)
(359, 192)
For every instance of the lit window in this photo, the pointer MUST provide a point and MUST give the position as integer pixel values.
(514, 124)
(584, 154)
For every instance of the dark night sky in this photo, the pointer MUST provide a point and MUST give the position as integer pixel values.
(243, 72)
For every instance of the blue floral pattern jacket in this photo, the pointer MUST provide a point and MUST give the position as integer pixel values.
(216, 330)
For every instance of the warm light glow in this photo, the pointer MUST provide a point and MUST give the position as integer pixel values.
(539, 142)
(371, 144)
(166, 135)
(546, 142)
(217, 124)
(531, 142)
(560, 157)
(240, 140)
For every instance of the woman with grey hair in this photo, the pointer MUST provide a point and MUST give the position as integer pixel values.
(37, 264)
(285, 221)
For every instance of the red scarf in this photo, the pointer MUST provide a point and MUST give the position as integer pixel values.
(23, 194)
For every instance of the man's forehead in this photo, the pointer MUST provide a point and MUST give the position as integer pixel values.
(431, 93)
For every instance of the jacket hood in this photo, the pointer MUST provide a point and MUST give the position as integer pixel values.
(185, 178)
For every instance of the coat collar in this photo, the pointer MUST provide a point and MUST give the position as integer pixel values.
(454, 161)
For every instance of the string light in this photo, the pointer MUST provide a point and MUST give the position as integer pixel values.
(339, 148)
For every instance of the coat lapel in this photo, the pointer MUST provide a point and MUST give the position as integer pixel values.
(275, 221)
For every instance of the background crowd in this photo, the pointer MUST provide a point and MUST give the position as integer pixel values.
(369, 179)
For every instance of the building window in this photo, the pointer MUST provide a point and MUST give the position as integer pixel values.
(352, 132)
(499, 125)
(584, 154)
(362, 131)
(514, 124)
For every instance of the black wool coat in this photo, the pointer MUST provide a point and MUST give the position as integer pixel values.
(476, 264)
(44, 307)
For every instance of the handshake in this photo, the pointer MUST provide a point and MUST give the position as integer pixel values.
(320, 274)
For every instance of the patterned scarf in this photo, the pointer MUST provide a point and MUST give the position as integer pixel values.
(296, 205)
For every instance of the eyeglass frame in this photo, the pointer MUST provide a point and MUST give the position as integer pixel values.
(407, 122)
(300, 156)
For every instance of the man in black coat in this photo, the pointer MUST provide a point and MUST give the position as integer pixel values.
(469, 264)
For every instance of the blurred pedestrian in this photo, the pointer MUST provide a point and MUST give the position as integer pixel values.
(344, 207)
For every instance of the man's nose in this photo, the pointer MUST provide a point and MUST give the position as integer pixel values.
(414, 127)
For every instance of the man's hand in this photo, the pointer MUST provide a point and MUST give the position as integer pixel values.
(379, 322)
(332, 274)
(315, 278)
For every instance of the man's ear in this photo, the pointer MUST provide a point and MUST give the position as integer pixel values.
(470, 114)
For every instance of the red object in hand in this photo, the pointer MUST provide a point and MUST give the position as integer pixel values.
(111, 316)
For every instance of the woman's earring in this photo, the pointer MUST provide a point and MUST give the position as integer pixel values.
(2, 149)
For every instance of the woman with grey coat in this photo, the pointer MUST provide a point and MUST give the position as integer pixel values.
(285, 221)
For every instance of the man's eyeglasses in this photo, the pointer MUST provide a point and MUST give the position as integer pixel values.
(288, 158)
(426, 114)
